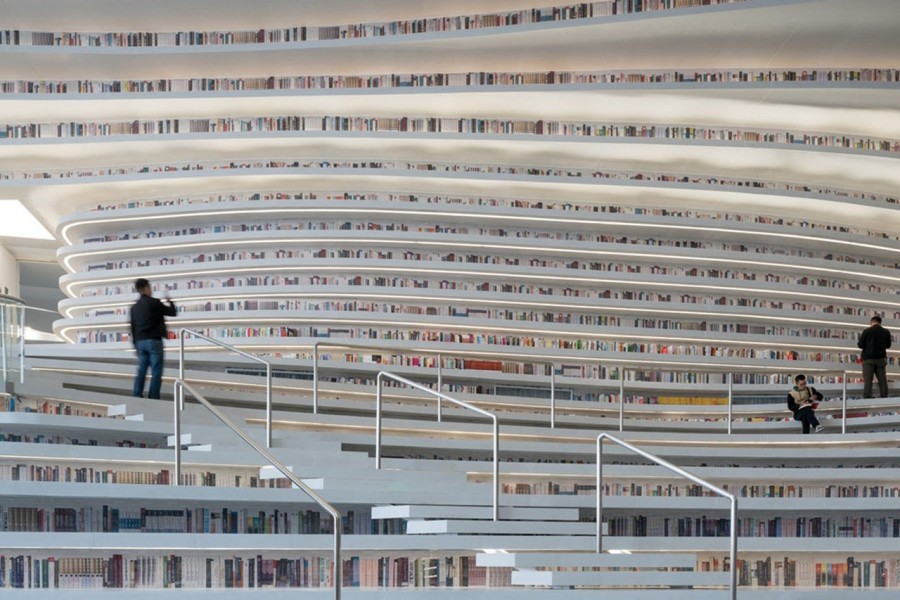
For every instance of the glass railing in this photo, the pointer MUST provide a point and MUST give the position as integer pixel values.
(12, 338)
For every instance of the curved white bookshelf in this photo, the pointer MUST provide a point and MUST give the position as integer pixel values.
(376, 259)
(698, 139)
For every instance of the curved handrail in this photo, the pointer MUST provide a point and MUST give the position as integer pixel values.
(678, 471)
(185, 332)
(180, 386)
(496, 428)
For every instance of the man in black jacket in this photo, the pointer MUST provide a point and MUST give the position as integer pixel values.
(874, 342)
(148, 330)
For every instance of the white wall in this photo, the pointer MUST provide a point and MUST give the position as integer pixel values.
(9, 273)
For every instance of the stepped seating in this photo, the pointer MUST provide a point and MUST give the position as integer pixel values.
(553, 569)
(435, 480)
(293, 396)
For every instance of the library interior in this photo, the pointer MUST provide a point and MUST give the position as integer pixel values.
(489, 298)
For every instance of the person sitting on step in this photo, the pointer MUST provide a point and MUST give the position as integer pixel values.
(802, 401)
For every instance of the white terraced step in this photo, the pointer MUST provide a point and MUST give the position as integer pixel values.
(121, 410)
(621, 578)
(200, 448)
(367, 476)
(187, 439)
(501, 527)
(419, 511)
(532, 560)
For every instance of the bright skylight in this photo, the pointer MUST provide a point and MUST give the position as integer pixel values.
(17, 221)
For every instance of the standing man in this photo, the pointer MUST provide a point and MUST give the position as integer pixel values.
(874, 342)
(148, 330)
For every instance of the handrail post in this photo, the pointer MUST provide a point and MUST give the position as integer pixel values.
(440, 405)
(599, 495)
(22, 345)
(440, 372)
(730, 400)
(268, 405)
(732, 550)
(3, 333)
(177, 419)
(552, 396)
(316, 378)
(178, 403)
(621, 399)
(844, 403)
(496, 494)
(679, 471)
(378, 381)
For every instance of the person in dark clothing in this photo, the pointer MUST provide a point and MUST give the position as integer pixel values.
(874, 342)
(801, 401)
(148, 330)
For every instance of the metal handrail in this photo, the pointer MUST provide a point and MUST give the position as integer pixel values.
(180, 386)
(844, 375)
(185, 332)
(730, 377)
(315, 384)
(496, 428)
(315, 349)
(440, 360)
(678, 471)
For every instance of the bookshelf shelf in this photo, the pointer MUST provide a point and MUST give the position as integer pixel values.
(588, 11)
(415, 127)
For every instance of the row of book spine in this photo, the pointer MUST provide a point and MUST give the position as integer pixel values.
(453, 80)
(577, 11)
(147, 571)
(468, 126)
(526, 172)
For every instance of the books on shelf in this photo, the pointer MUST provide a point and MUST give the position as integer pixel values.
(797, 78)
(302, 33)
(146, 570)
(868, 571)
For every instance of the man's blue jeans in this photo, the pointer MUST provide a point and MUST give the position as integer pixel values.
(149, 354)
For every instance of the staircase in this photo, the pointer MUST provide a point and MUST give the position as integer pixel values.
(619, 570)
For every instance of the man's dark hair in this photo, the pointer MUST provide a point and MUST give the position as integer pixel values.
(799, 378)
(877, 319)
(141, 284)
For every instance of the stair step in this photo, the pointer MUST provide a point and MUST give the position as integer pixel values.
(187, 439)
(122, 410)
(200, 448)
(531, 560)
(354, 478)
(621, 578)
(419, 511)
(500, 527)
